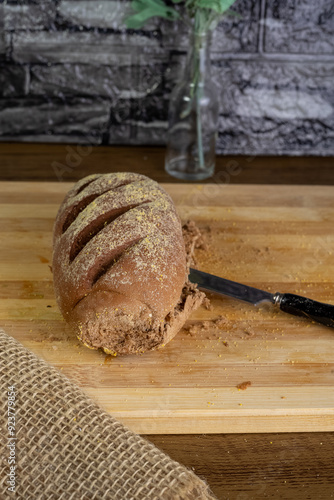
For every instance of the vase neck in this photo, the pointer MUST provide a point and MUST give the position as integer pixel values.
(198, 62)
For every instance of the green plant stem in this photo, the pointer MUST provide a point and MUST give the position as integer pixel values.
(199, 129)
(198, 44)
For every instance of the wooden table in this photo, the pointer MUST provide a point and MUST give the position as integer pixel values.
(237, 466)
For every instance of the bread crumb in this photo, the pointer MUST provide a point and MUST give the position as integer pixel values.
(207, 304)
(243, 386)
(220, 322)
(193, 239)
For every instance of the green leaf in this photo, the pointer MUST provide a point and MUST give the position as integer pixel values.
(140, 5)
(146, 9)
(219, 6)
(226, 4)
(138, 20)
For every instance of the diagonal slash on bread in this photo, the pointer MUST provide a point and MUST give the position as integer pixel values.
(119, 264)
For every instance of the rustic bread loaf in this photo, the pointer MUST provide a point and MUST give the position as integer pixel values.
(119, 264)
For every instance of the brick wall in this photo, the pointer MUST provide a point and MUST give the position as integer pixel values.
(71, 72)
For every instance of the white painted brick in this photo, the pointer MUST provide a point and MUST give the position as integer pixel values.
(95, 14)
(86, 48)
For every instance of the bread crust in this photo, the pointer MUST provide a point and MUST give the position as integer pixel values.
(119, 263)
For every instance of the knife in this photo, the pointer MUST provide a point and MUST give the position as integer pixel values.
(287, 302)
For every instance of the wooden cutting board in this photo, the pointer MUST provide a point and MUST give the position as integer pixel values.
(279, 238)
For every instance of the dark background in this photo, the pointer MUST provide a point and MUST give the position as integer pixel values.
(70, 72)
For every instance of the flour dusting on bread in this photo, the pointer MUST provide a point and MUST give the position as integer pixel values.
(119, 264)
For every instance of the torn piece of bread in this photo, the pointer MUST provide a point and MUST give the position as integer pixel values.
(119, 264)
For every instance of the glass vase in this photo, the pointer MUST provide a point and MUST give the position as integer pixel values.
(193, 116)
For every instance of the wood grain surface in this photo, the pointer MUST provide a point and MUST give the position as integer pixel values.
(236, 466)
(70, 162)
(279, 238)
(256, 466)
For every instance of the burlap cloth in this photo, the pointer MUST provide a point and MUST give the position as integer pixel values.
(69, 448)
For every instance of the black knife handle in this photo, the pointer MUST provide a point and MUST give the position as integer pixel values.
(302, 306)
